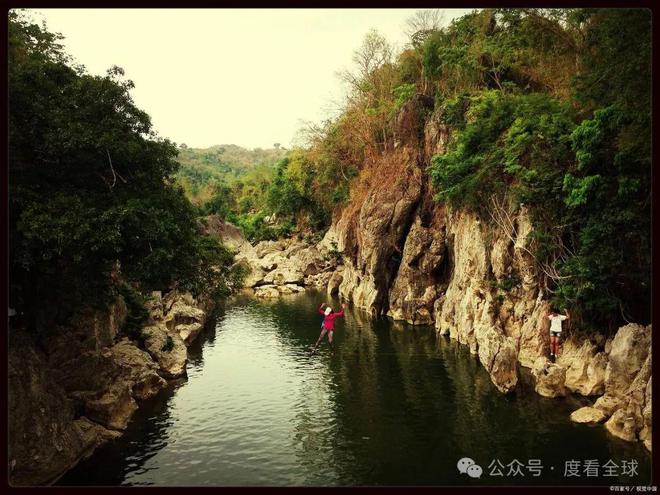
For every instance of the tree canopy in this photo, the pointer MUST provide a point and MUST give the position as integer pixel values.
(92, 191)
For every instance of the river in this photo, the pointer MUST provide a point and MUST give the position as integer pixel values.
(391, 404)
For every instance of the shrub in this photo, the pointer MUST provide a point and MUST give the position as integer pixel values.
(168, 345)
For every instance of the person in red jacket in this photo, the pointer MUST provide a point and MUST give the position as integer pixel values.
(328, 325)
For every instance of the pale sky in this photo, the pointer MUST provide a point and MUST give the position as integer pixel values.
(227, 76)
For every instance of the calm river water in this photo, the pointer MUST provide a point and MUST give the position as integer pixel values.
(390, 405)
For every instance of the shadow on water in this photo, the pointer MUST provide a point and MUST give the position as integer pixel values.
(389, 404)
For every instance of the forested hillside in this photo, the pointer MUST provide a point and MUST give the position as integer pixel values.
(546, 109)
(204, 171)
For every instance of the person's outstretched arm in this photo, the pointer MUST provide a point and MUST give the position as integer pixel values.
(321, 308)
(341, 312)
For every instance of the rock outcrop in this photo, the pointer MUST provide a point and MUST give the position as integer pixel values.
(628, 385)
(277, 268)
(585, 366)
(588, 415)
(46, 436)
(74, 388)
(550, 378)
(474, 277)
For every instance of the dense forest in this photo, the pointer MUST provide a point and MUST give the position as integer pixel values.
(545, 108)
(94, 208)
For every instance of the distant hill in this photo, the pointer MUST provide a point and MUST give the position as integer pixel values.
(204, 168)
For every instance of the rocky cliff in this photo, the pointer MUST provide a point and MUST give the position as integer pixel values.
(410, 258)
(395, 251)
(73, 388)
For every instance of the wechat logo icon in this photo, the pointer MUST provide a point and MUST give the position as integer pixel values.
(468, 466)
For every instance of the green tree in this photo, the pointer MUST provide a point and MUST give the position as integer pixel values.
(92, 192)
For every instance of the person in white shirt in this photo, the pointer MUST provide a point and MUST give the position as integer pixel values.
(555, 330)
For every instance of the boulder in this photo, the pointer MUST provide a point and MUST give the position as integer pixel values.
(588, 415)
(318, 281)
(114, 408)
(608, 404)
(585, 366)
(254, 273)
(267, 292)
(308, 260)
(265, 247)
(550, 378)
(183, 316)
(629, 350)
(622, 425)
(230, 235)
(188, 332)
(290, 289)
(172, 362)
(498, 355)
(271, 261)
(137, 369)
(284, 274)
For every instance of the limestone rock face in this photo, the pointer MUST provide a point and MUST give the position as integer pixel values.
(114, 408)
(550, 378)
(497, 354)
(628, 385)
(391, 205)
(630, 347)
(622, 425)
(183, 315)
(585, 367)
(172, 362)
(137, 369)
(89, 331)
(645, 434)
(373, 235)
(608, 404)
(45, 439)
(334, 282)
(417, 283)
(588, 415)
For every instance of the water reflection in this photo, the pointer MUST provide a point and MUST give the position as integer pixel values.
(390, 404)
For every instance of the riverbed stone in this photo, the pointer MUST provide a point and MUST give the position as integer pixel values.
(588, 415)
(267, 292)
(284, 274)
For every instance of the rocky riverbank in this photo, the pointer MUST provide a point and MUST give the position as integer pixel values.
(75, 388)
(281, 267)
(393, 250)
